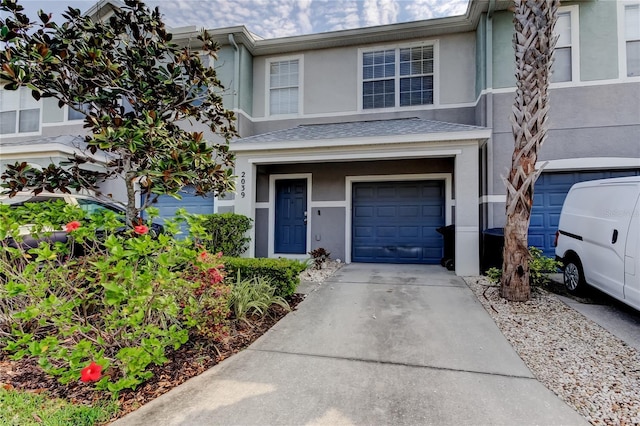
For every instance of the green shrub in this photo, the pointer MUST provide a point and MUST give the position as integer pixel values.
(540, 267)
(120, 306)
(255, 295)
(284, 274)
(494, 275)
(211, 298)
(222, 232)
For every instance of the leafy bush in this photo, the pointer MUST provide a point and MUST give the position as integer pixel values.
(494, 275)
(319, 256)
(255, 295)
(284, 274)
(211, 293)
(109, 315)
(540, 267)
(221, 232)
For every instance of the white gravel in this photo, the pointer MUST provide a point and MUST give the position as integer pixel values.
(581, 362)
(314, 275)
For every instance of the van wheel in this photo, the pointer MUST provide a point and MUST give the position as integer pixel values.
(574, 277)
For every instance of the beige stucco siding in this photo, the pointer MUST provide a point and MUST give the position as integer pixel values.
(330, 77)
(457, 68)
(331, 81)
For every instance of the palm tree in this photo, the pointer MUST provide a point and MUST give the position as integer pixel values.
(534, 44)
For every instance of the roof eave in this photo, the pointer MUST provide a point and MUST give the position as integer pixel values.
(479, 135)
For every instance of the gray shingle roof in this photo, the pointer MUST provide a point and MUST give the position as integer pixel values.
(360, 129)
(69, 140)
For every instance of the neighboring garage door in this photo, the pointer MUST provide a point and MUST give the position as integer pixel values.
(190, 202)
(549, 193)
(395, 222)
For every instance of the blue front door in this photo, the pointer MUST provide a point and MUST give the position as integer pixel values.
(291, 216)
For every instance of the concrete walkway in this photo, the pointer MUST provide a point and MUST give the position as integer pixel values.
(375, 345)
(619, 319)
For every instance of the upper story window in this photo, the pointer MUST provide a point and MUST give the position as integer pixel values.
(284, 80)
(401, 76)
(19, 112)
(77, 112)
(207, 60)
(566, 65)
(632, 39)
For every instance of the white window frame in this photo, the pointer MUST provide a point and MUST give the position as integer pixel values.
(574, 14)
(397, 76)
(622, 40)
(267, 85)
(18, 109)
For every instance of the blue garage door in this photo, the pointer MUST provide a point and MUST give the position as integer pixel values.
(395, 222)
(190, 202)
(549, 193)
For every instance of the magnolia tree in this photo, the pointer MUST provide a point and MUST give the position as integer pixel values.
(140, 94)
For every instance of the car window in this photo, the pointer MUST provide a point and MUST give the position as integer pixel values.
(92, 206)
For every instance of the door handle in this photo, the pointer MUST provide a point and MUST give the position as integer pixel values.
(305, 217)
(614, 237)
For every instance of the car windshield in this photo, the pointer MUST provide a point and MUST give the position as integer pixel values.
(92, 206)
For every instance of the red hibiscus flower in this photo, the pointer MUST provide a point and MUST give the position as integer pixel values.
(91, 373)
(215, 276)
(72, 226)
(203, 255)
(140, 229)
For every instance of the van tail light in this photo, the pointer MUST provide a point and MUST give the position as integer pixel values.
(555, 240)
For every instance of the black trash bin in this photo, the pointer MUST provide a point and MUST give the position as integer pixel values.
(449, 235)
(492, 247)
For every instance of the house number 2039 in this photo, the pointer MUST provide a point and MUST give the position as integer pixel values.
(243, 181)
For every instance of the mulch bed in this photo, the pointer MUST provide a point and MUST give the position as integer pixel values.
(192, 359)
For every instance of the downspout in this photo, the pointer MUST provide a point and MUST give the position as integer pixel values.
(492, 7)
(235, 107)
(236, 78)
(489, 109)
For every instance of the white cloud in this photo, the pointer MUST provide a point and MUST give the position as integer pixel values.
(280, 18)
(379, 12)
(304, 16)
(388, 11)
(428, 9)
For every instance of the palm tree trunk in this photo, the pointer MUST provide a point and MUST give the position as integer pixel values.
(533, 42)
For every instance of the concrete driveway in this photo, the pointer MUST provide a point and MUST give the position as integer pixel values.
(375, 345)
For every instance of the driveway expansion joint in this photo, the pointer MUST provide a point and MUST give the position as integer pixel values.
(393, 363)
(398, 284)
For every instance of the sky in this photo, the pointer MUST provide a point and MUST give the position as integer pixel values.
(279, 18)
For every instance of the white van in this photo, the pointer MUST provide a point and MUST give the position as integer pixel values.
(598, 238)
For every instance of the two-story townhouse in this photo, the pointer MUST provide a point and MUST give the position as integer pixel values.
(594, 119)
(366, 141)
